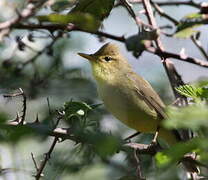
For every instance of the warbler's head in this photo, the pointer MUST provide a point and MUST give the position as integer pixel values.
(107, 62)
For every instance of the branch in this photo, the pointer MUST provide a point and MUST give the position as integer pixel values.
(167, 54)
(53, 27)
(47, 157)
(161, 12)
(173, 76)
(200, 47)
(5, 27)
(138, 169)
(168, 3)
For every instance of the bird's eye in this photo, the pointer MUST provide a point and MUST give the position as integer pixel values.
(107, 58)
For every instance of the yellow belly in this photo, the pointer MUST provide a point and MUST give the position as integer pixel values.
(129, 109)
(125, 107)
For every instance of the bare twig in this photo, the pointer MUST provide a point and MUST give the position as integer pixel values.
(126, 4)
(34, 161)
(167, 54)
(168, 3)
(54, 27)
(40, 169)
(44, 162)
(143, 148)
(161, 12)
(132, 136)
(200, 47)
(139, 172)
(173, 76)
(5, 27)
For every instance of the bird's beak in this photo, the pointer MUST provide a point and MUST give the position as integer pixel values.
(87, 56)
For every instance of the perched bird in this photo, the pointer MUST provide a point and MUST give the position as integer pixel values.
(125, 94)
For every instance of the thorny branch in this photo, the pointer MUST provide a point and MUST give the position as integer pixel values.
(44, 162)
(159, 50)
(56, 132)
(39, 170)
(64, 133)
(5, 27)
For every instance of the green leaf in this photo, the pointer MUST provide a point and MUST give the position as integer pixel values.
(76, 108)
(192, 116)
(84, 21)
(61, 5)
(177, 151)
(97, 8)
(76, 115)
(186, 26)
(193, 91)
(186, 33)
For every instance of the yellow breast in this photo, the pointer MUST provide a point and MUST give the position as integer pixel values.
(127, 108)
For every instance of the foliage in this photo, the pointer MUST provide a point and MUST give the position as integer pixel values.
(37, 56)
(187, 25)
(84, 21)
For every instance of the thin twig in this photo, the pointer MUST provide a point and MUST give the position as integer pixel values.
(200, 47)
(139, 171)
(34, 162)
(173, 76)
(126, 4)
(39, 173)
(5, 27)
(132, 136)
(54, 27)
(167, 3)
(161, 12)
(47, 157)
(187, 59)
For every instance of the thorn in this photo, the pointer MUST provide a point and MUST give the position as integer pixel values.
(21, 91)
(37, 119)
(18, 118)
(61, 113)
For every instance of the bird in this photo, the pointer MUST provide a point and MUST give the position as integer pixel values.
(128, 96)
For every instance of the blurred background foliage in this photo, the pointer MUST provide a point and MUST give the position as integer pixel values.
(45, 65)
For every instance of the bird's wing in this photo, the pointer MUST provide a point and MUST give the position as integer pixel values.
(152, 99)
(145, 91)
